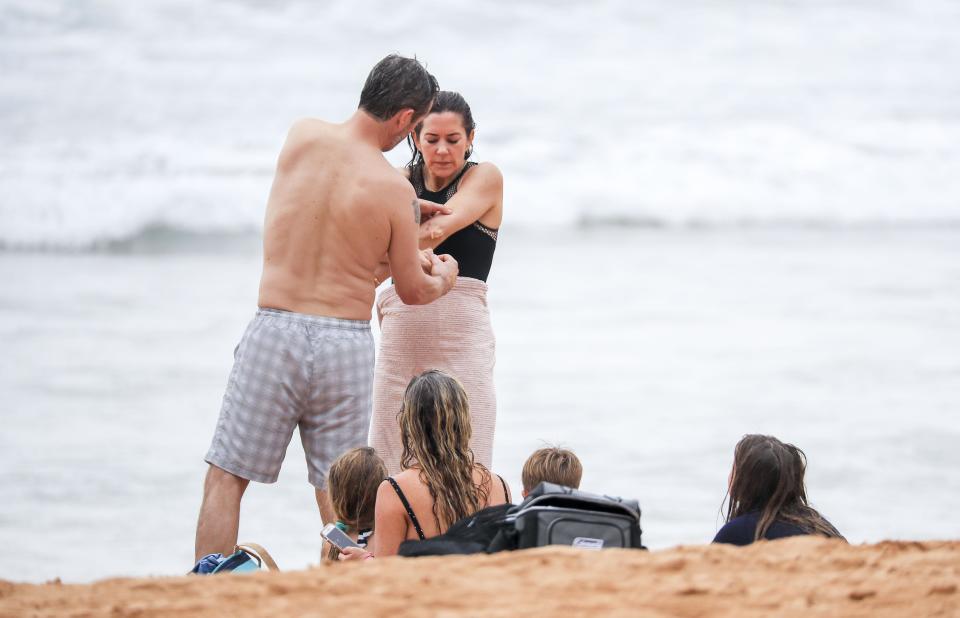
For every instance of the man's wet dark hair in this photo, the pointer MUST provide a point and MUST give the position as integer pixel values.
(446, 102)
(398, 83)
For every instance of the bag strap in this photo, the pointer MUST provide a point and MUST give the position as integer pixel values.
(258, 552)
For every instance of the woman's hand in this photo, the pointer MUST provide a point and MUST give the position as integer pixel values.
(354, 553)
(431, 230)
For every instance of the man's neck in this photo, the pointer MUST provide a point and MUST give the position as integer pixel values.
(365, 128)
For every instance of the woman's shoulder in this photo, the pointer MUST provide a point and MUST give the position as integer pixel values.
(493, 484)
(485, 172)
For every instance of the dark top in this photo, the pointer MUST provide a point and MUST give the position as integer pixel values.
(413, 516)
(473, 246)
(740, 530)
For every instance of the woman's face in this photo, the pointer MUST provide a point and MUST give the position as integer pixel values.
(443, 142)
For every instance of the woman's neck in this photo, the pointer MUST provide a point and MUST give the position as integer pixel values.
(434, 183)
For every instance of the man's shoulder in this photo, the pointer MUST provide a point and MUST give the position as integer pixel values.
(305, 139)
(386, 184)
(307, 131)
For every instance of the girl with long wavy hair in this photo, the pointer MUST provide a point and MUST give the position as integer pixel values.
(767, 498)
(441, 482)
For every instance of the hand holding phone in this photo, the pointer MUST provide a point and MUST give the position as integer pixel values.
(337, 537)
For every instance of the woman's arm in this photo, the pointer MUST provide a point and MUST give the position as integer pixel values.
(480, 196)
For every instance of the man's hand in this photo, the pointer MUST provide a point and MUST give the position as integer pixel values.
(428, 209)
(445, 267)
(425, 262)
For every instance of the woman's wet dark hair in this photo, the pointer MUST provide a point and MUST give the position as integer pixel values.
(446, 102)
(767, 477)
(398, 83)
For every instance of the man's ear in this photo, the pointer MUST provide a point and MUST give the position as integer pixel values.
(403, 117)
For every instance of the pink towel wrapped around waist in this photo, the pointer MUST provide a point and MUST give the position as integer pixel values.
(452, 334)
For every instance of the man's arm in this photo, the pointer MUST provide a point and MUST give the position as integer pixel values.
(414, 286)
(482, 191)
(382, 272)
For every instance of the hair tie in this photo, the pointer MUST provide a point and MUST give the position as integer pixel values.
(342, 526)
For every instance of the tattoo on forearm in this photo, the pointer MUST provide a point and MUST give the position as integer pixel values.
(416, 210)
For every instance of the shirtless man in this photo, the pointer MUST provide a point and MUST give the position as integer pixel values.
(306, 359)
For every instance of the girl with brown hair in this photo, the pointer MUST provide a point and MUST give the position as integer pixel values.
(352, 482)
(767, 498)
(441, 481)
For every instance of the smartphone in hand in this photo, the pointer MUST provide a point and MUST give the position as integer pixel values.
(337, 537)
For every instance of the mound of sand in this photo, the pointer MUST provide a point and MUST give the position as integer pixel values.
(793, 577)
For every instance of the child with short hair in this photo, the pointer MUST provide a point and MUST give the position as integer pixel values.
(553, 465)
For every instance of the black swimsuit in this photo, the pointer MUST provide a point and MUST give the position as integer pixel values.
(473, 246)
(413, 516)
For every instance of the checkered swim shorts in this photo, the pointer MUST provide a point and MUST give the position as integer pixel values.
(293, 370)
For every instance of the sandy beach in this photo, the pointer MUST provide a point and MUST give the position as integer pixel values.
(802, 576)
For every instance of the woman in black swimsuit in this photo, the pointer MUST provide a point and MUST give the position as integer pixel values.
(453, 333)
(440, 483)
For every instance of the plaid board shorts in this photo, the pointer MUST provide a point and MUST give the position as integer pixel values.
(294, 370)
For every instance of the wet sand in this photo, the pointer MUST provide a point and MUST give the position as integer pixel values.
(792, 577)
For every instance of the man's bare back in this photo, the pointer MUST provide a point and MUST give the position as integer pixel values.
(336, 207)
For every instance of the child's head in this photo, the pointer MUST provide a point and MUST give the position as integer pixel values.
(553, 465)
(767, 476)
(352, 482)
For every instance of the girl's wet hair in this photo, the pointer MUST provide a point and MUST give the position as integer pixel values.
(446, 101)
(768, 477)
(352, 482)
(435, 432)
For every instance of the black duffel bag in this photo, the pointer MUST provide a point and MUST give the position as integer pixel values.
(556, 515)
(549, 515)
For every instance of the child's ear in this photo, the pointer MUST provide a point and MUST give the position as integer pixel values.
(524, 493)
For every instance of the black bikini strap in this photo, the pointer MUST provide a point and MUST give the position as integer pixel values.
(406, 505)
(506, 491)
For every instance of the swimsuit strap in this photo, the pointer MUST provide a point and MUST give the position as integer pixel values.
(506, 492)
(406, 505)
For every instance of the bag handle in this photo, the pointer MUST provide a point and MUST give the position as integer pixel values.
(261, 554)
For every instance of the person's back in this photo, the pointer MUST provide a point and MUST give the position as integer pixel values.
(417, 514)
(328, 222)
(742, 530)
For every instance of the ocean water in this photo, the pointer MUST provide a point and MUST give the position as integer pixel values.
(119, 117)
(650, 353)
(721, 218)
